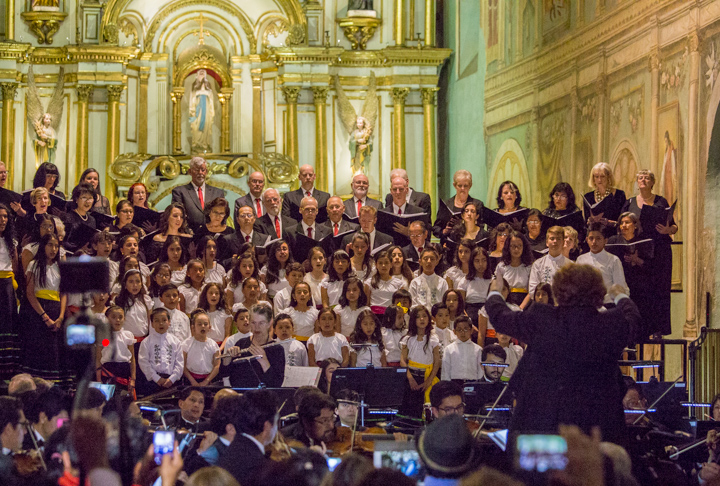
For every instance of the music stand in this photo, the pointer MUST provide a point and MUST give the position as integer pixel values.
(378, 387)
(481, 394)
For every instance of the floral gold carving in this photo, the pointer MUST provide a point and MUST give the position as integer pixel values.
(84, 92)
(399, 95)
(114, 92)
(291, 93)
(296, 35)
(359, 30)
(111, 34)
(9, 90)
(44, 25)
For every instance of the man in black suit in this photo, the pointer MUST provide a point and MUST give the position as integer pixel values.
(292, 199)
(196, 194)
(12, 433)
(400, 206)
(192, 405)
(256, 183)
(43, 410)
(368, 218)
(272, 222)
(308, 228)
(359, 185)
(418, 240)
(257, 422)
(317, 420)
(336, 223)
(585, 387)
(462, 182)
(229, 245)
(416, 198)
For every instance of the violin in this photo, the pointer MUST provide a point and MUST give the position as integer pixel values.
(28, 463)
(363, 441)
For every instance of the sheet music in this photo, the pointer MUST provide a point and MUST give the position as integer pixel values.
(297, 376)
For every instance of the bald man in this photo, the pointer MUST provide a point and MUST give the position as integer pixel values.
(292, 199)
(416, 198)
(308, 227)
(273, 223)
(400, 206)
(360, 185)
(256, 184)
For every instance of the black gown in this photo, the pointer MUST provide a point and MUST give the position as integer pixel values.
(616, 202)
(660, 269)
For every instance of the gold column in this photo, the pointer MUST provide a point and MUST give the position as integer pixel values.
(430, 157)
(399, 95)
(142, 116)
(257, 131)
(689, 192)
(176, 97)
(430, 23)
(321, 150)
(291, 129)
(7, 148)
(112, 150)
(601, 87)
(9, 27)
(84, 92)
(654, 105)
(225, 96)
(399, 22)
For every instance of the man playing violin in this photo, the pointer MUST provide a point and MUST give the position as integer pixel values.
(12, 432)
(317, 421)
(192, 406)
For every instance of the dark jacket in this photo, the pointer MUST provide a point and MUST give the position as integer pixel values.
(351, 206)
(244, 460)
(569, 373)
(292, 199)
(187, 196)
(297, 239)
(229, 245)
(417, 198)
(266, 224)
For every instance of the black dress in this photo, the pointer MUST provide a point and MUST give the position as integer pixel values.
(570, 372)
(660, 269)
(616, 202)
(73, 221)
(639, 281)
(9, 349)
(203, 230)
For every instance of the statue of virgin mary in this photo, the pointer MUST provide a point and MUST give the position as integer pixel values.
(202, 113)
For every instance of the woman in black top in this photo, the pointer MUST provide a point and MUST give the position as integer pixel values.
(661, 273)
(562, 202)
(48, 176)
(602, 182)
(92, 177)
(83, 199)
(534, 230)
(216, 215)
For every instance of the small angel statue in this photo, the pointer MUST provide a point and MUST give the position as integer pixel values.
(359, 128)
(45, 123)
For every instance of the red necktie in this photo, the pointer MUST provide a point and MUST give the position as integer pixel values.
(335, 229)
(200, 196)
(399, 212)
(277, 226)
(419, 251)
(307, 193)
(359, 206)
(309, 232)
(247, 238)
(259, 208)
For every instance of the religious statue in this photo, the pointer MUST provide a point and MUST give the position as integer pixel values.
(202, 113)
(45, 123)
(360, 128)
(361, 8)
(45, 5)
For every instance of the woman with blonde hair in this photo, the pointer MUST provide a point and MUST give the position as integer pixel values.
(609, 199)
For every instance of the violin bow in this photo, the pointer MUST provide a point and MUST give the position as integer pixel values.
(672, 385)
(477, 432)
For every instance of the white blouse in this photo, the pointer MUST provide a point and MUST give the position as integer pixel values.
(117, 351)
(382, 295)
(5, 260)
(216, 274)
(137, 317)
(333, 289)
(416, 349)
(52, 277)
(391, 339)
(348, 318)
(199, 355)
(303, 322)
(217, 323)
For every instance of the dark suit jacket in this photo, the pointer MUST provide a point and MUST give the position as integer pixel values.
(330, 244)
(411, 253)
(441, 222)
(245, 374)
(417, 198)
(291, 204)
(194, 462)
(343, 226)
(569, 373)
(296, 247)
(400, 239)
(380, 239)
(266, 225)
(351, 206)
(244, 460)
(187, 196)
(229, 245)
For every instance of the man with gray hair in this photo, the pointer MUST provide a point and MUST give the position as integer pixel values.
(416, 198)
(272, 222)
(359, 185)
(256, 184)
(196, 194)
(308, 232)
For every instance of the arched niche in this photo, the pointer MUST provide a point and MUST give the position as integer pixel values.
(624, 166)
(509, 164)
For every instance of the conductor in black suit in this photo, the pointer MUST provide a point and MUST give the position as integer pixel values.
(256, 184)
(570, 373)
(229, 245)
(308, 227)
(416, 198)
(257, 424)
(368, 218)
(291, 202)
(462, 182)
(400, 206)
(196, 193)
(359, 185)
(272, 222)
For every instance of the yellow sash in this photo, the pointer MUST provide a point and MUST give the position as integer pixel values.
(301, 338)
(14, 282)
(428, 370)
(518, 290)
(48, 294)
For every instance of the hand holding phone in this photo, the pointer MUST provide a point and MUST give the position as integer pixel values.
(163, 443)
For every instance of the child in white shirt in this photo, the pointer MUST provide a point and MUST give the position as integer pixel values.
(317, 275)
(367, 332)
(161, 357)
(608, 264)
(352, 302)
(543, 269)
(116, 361)
(486, 331)
(212, 300)
(201, 355)
(327, 343)
(302, 313)
(462, 359)
(514, 353)
(294, 274)
(428, 287)
(421, 354)
(179, 322)
(441, 322)
(295, 352)
(476, 284)
(191, 288)
(241, 326)
(393, 330)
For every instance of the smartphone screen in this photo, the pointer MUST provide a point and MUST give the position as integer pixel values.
(332, 463)
(79, 334)
(541, 453)
(163, 443)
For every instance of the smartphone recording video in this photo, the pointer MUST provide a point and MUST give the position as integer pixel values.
(163, 443)
(540, 453)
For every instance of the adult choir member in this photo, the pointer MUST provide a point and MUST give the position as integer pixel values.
(291, 201)
(196, 194)
(360, 185)
(602, 183)
(416, 198)
(272, 222)
(256, 184)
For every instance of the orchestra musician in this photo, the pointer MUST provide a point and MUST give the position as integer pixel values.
(12, 432)
(192, 406)
(447, 398)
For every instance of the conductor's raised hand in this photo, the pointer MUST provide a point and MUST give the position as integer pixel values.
(497, 285)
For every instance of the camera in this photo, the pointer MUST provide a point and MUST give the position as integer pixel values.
(82, 275)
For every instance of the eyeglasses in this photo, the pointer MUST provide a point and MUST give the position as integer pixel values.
(243, 216)
(218, 213)
(326, 421)
(504, 235)
(86, 198)
(533, 223)
(417, 235)
(309, 210)
(560, 196)
(127, 211)
(448, 410)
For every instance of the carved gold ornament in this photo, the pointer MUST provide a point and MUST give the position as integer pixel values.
(44, 25)
(359, 30)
